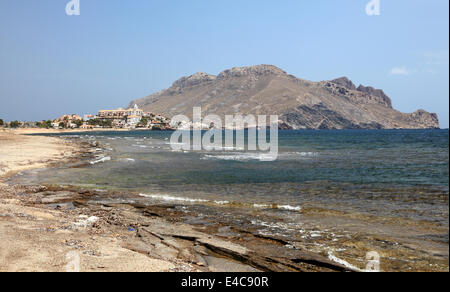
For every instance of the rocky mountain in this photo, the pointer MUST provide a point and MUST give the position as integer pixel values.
(300, 104)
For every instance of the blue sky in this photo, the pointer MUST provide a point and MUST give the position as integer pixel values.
(116, 50)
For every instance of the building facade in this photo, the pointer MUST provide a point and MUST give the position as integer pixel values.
(123, 117)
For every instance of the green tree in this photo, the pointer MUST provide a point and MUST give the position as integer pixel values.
(101, 123)
(79, 123)
(44, 124)
(14, 124)
(1, 123)
(143, 123)
(62, 125)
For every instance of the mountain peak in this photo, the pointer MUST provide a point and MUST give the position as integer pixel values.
(258, 70)
(344, 81)
(194, 79)
(375, 92)
(348, 84)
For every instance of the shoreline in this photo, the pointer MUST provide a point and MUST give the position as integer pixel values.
(30, 131)
(30, 240)
(38, 131)
(19, 152)
(43, 226)
(123, 224)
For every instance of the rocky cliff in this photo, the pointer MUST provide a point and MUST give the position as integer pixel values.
(300, 104)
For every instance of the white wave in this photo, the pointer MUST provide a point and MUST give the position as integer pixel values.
(103, 159)
(297, 155)
(307, 154)
(178, 151)
(281, 207)
(271, 225)
(314, 234)
(261, 206)
(290, 208)
(128, 159)
(171, 198)
(241, 157)
(219, 148)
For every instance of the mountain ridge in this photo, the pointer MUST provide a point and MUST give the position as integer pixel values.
(299, 103)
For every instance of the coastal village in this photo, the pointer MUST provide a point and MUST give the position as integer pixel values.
(130, 118)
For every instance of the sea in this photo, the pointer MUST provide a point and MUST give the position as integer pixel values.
(338, 193)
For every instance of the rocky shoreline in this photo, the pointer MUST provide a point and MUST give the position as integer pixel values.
(101, 228)
(122, 231)
(157, 232)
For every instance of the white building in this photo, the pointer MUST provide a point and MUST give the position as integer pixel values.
(134, 115)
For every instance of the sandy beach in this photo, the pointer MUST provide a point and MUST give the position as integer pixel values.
(55, 228)
(19, 152)
(29, 240)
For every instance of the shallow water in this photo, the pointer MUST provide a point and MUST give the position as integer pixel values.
(330, 190)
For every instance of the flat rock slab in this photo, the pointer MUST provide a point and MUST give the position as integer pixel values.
(186, 232)
(57, 197)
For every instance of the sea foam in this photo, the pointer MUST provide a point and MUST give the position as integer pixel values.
(171, 198)
(103, 159)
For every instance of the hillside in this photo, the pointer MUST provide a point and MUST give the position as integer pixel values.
(300, 104)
